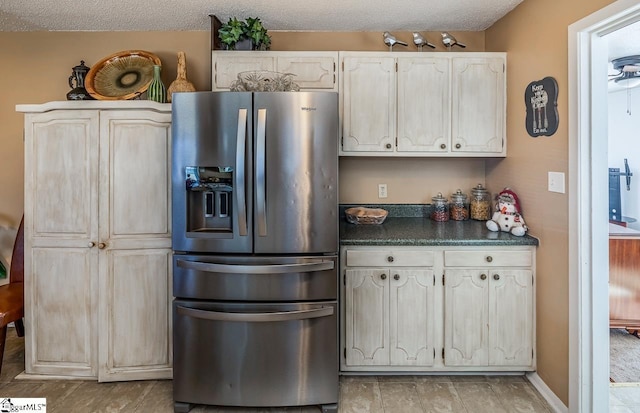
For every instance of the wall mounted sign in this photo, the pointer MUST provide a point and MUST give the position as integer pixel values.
(541, 101)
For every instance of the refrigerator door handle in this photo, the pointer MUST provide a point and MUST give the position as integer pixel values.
(256, 317)
(256, 269)
(241, 142)
(261, 213)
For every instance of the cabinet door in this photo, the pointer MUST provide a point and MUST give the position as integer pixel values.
(227, 64)
(135, 179)
(367, 317)
(61, 226)
(424, 112)
(411, 313)
(61, 167)
(135, 242)
(135, 315)
(61, 311)
(369, 109)
(478, 105)
(510, 317)
(313, 71)
(466, 317)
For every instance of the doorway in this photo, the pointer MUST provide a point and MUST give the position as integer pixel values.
(588, 257)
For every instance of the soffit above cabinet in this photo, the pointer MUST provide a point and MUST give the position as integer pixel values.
(329, 15)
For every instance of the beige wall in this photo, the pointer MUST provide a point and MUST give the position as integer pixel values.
(535, 37)
(36, 66)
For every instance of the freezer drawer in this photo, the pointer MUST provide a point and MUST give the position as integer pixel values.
(247, 278)
(255, 354)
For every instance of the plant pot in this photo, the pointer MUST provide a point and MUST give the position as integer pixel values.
(244, 44)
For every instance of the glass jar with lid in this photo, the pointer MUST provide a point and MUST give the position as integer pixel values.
(439, 208)
(480, 203)
(459, 206)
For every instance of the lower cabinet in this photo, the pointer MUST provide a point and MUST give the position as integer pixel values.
(438, 309)
(389, 317)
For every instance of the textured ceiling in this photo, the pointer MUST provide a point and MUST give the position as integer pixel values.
(329, 15)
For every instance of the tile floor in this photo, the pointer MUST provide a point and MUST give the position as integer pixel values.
(358, 394)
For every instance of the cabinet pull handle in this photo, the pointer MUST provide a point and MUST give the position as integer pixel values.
(396, 277)
(383, 276)
(388, 146)
(102, 245)
(483, 276)
(390, 258)
(496, 277)
(458, 146)
(443, 146)
(91, 244)
(489, 258)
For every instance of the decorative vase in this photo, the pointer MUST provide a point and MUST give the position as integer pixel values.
(157, 91)
(181, 84)
(78, 92)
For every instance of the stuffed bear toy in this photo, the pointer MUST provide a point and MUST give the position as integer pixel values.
(507, 217)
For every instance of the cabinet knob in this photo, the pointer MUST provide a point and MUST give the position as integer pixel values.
(388, 146)
(91, 244)
(443, 146)
(383, 276)
(458, 146)
(396, 277)
(496, 276)
(483, 276)
(390, 258)
(489, 258)
(102, 245)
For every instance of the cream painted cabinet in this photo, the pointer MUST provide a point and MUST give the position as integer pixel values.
(412, 104)
(488, 308)
(312, 70)
(478, 105)
(438, 308)
(97, 240)
(389, 311)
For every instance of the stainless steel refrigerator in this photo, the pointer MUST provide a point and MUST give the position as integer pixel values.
(255, 239)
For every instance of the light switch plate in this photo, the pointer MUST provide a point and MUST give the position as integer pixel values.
(556, 182)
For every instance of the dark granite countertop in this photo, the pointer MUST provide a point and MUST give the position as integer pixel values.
(410, 225)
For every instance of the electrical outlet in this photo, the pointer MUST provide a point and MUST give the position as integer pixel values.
(382, 190)
(556, 182)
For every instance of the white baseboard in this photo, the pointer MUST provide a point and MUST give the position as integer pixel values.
(554, 402)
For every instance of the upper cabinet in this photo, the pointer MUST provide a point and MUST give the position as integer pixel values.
(420, 104)
(312, 70)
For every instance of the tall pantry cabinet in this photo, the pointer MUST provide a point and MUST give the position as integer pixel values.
(98, 240)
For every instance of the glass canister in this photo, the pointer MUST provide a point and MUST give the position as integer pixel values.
(439, 208)
(480, 203)
(459, 206)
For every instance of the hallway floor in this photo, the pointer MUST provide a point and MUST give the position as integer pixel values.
(358, 394)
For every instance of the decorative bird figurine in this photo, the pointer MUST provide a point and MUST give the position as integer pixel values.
(419, 40)
(448, 40)
(390, 40)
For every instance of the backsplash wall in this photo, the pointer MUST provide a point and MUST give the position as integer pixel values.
(409, 180)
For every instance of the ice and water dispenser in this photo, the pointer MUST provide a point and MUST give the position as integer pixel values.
(209, 198)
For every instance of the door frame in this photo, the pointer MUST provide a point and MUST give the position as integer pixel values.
(588, 293)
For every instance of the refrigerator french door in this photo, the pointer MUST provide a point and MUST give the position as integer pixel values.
(255, 172)
(255, 239)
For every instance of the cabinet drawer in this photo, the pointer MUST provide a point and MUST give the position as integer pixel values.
(389, 258)
(488, 258)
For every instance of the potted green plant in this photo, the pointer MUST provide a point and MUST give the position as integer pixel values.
(249, 34)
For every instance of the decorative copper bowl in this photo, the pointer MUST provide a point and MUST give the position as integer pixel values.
(121, 76)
